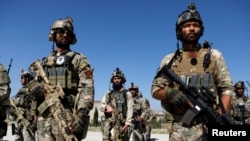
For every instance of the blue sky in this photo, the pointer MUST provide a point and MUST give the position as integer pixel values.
(133, 35)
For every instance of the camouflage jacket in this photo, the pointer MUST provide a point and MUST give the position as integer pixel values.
(80, 87)
(4, 86)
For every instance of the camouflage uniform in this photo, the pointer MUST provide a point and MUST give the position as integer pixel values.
(240, 109)
(24, 128)
(74, 74)
(121, 115)
(148, 118)
(23, 103)
(4, 98)
(140, 113)
(192, 60)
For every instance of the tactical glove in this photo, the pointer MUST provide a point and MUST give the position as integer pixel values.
(80, 125)
(36, 89)
(176, 97)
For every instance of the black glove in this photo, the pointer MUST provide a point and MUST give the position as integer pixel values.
(176, 97)
(80, 125)
(36, 89)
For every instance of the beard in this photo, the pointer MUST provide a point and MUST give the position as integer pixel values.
(62, 44)
(117, 87)
(192, 40)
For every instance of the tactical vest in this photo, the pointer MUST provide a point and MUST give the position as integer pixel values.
(195, 69)
(138, 105)
(188, 64)
(239, 110)
(59, 69)
(121, 101)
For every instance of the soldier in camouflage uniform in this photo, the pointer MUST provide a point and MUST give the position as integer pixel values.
(4, 99)
(190, 62)
(148, 119)
(117, 110)
(140, 113)
(240, 103)
(25, 124)
(72, 71)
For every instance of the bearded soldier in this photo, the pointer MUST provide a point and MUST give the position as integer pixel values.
(240, 104)
(70, 71)
(196, 66)
(141, 113)
(117, 109)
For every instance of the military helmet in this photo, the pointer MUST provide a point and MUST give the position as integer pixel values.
(133, 86)
(239, 85)
(190, 14)
(28, 74)
(66, 24)
(118, 73)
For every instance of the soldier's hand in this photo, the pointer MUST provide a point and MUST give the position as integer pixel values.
(109, 109)
(139, 118)
(125, 129)
(36, 89)
(176, 97)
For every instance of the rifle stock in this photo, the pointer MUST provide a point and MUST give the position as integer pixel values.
(200, 104)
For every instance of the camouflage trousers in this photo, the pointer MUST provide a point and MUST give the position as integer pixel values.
(180, 133)
(47, 130)
(147, 133)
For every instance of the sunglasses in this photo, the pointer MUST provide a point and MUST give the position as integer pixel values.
(63, 31)
(22, 77)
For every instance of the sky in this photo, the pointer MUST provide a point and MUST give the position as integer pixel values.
(133, 35)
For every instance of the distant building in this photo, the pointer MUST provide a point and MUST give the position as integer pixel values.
(97, 104)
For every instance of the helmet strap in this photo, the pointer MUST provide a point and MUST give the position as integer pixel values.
(53, 46)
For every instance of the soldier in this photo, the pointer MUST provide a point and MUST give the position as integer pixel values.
(239, 110)
(140, 113)
(193, 62)
(72, 71)
(4, 99)
(148, 119)
(117, 110)
(25, 124)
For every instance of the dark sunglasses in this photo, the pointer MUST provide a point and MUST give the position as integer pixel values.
(239, 88)
(63, 31)
(22, 77)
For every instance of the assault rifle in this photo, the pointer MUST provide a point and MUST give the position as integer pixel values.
(25, 122)
(117, 132)
(53, 101)
(139, 126)
(201, 104)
